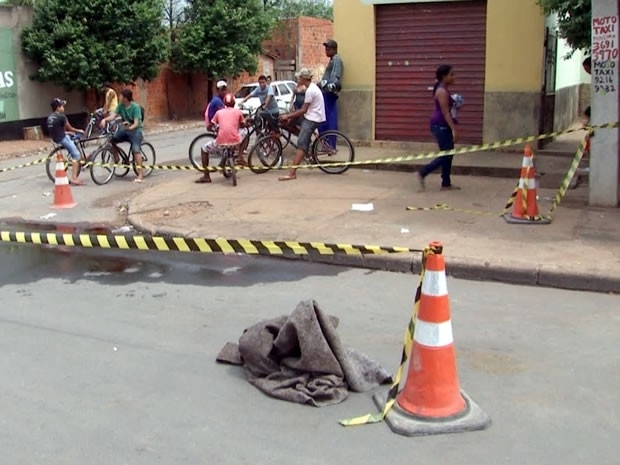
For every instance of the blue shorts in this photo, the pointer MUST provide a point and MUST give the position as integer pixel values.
(68, 143)
(133, 137)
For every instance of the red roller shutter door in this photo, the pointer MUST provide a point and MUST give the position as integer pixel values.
(411, 41)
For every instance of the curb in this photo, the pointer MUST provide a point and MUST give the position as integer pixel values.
(461, 268)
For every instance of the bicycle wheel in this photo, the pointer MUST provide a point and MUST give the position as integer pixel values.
(148, 159)
(331, 148)
(285, 137)
(231, 169)
(102, 167)
(122, 171)
(268, 150)
(50, 163)
(195, 149)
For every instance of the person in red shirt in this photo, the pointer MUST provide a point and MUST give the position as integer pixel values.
(230, 124)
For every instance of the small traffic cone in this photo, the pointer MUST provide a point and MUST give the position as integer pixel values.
(431, 401)
(525, 207)
(62, 190)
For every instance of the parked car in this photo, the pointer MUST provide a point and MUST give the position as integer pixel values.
(283, 91)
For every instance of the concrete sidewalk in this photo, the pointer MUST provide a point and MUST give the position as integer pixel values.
(579, 250)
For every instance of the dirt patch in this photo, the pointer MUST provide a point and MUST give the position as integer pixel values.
(118, 200)
(174, 213)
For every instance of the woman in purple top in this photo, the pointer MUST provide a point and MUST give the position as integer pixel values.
(443, 127)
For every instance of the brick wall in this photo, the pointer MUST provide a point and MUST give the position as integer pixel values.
(184, 96)
(265, 66)
(169, 96)
(283, 41)
(312, 33)
(301, 39)
(177, 95)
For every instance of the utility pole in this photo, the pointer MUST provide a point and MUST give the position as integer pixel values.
(604, 156)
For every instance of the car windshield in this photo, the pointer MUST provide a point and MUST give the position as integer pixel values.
(244, 91)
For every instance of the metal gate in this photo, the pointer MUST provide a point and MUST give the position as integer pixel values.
(547, 94)
(412, 40)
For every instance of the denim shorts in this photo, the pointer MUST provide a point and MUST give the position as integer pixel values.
(133, 137)
(305, 134)
(68, 143)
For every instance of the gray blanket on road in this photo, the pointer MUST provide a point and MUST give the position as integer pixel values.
(300, 358)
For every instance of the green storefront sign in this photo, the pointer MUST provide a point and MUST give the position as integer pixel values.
(9, 104)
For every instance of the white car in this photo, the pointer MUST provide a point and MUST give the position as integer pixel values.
(283, 91)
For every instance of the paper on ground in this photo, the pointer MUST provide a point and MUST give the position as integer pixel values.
(362, 207)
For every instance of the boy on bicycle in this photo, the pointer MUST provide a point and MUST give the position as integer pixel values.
(269, 109)
(58, 125)
(230, 131)
(131, 131)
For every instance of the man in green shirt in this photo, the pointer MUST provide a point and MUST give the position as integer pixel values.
(131, 130)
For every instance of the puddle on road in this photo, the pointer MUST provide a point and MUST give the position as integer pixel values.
(24, 263)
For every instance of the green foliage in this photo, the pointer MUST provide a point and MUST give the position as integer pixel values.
(574, 20)
(221, 37)
(283, 9)
(80, 44)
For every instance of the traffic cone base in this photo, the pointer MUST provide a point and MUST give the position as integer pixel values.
(513, 220)
(525, 207)
(471, 418)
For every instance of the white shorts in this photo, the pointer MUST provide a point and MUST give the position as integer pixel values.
(211, 146)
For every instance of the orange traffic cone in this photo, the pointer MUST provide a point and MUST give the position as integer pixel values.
(525, 208)
(62, 191)
(431, 401)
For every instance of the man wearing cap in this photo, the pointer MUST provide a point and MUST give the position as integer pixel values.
(331, 85)
(57, 126)
(216, 103)
(312, 115)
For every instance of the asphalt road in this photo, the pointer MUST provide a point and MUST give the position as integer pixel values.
(27, 192)
(111, 360)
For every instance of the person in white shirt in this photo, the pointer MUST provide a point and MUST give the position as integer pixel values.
(313, 115)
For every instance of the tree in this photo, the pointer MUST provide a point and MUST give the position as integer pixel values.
(294, 8)
(18, 2)
(174, 15)
(221, 37)
(80, 44)
(574, 20)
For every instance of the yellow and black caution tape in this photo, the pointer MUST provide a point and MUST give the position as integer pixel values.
(24, 165)
(574, 166)
(559, 196)
(406, 353)
(398, 159)
(204, 245)
(446, 207)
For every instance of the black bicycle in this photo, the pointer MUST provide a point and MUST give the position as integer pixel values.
(104, 167)
(256, 129)
(331, 151)
(227, 163)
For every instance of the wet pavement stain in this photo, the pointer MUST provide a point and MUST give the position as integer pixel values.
(25, 263)
(493, 362)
